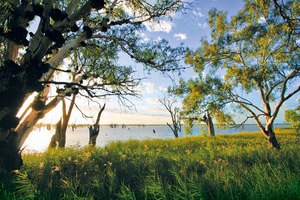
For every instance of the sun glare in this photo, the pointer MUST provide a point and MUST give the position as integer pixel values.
(38, 140)
(26, 104)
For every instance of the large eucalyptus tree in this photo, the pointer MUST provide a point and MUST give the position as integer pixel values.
(95, 28)
(250, 64)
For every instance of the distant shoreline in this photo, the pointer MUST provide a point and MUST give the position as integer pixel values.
(120, 125)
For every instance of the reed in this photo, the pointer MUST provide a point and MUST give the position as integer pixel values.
(238, 166)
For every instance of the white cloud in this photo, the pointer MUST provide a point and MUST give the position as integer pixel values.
(159, 26)
(164, 89)
(197, 13)
(180, 36)
(146, 88)
(152, 101)
(203, 25)
(152, 26)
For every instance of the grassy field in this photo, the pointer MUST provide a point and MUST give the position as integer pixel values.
(238, 166)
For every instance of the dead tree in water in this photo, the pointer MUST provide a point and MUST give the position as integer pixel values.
(175, 115)
(94, 129)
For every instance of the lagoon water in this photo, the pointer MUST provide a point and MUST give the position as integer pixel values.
(39, 139)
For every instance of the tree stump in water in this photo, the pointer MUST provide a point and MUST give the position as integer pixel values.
(94, 132)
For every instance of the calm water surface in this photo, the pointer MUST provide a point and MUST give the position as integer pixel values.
(39, 139)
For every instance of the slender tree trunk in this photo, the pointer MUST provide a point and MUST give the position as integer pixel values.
(61, 135)
(94, 130)
(62, 129)
(59, 138)
(209, 124)
(176, 133)
(56, 139)
(175, 128)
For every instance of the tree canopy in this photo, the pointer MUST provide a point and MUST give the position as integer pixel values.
(292, 116)
(250, 64)
(91, 34)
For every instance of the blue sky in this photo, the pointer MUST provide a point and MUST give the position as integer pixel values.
(187, 28)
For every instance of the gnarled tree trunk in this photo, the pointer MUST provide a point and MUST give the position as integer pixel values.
(11, 132)
(271, 137)
(268, 132)
(94, 130)
(272, 140)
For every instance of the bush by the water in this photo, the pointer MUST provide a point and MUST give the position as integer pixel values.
(238, 166)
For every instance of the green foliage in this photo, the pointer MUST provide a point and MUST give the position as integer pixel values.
(92, 34)
(255, 52)
(293, 117)
(6, 9)
(225, 167)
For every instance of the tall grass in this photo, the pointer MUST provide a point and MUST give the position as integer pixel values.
(239, 166)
